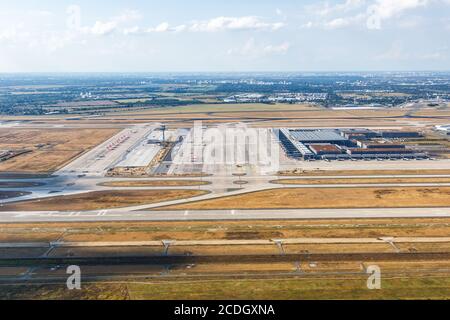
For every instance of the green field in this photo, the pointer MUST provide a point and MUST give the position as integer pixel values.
(423, 287)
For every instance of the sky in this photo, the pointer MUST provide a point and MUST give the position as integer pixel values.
(224, 36)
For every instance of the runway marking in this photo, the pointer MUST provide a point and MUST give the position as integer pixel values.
(233, 212)
(102, 213)
(186, 212)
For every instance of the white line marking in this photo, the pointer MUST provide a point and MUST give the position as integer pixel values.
(102, 213)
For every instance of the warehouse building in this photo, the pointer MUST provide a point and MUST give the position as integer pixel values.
(330, 144)
(400, 134)
(370, 144)
(359, 134)
(324, 149)
(379, 151)
(293, 148)
(317, 136)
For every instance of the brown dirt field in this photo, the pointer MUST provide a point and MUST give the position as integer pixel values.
(224, 250)
(413, 265)
(239, 268)
(362, 172)
(120, 270)
(100, 200)
(424, 247)
(327, 266)
(51, 148)
(226, 230)
(361, 181)
(296, 198)
(33, 235)
(155, 183)
(337, 248)
(107, 252)
(433, 112)
(111, 270)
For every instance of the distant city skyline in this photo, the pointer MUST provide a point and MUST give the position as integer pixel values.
(231, 36)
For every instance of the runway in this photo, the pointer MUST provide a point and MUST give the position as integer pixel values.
(222, 215)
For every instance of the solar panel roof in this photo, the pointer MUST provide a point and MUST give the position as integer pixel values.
(316, 135)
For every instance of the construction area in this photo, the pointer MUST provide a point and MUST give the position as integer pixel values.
(148, 156)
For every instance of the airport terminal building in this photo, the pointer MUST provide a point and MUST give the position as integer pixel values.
(335, 144)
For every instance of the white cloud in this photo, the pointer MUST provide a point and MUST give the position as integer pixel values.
(234, 23)
(14, 33)
(307, 25)
(389, 8)
(279, 49)
(40, 13)
(434, 56)
(102, 28)
(334, 16)
(252, 49)
(396, 52)
(364, 12)
(439, 53)
(132, 30)
(128, 15)
(344, 22)
(179, 28)
(212, 25)
(162, 27)
(386, 9)
(337, 23)
(325, 9)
